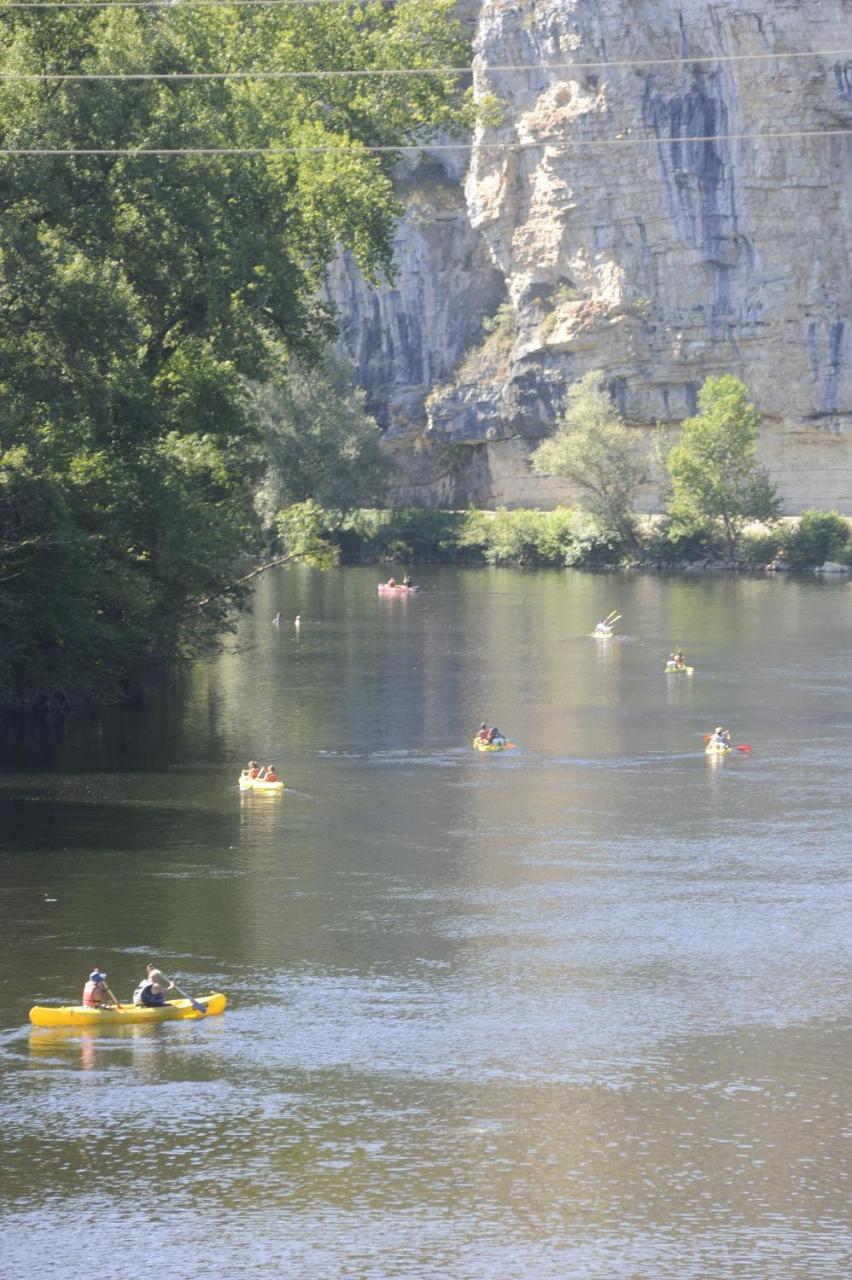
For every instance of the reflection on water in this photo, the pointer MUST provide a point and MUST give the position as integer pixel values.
(575, 1010)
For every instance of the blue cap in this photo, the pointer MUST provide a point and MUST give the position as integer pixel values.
(96, 976)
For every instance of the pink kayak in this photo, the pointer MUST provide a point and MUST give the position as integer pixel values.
(386, 590)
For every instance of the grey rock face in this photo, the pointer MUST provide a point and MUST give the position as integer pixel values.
(662, 221)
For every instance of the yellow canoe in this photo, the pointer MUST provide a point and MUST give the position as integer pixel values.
(260, 784)
(78, 1015)
(479, 744)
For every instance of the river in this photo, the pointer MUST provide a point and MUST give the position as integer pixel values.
(576, 1010)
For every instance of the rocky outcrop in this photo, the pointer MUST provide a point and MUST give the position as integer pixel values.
(649, 205)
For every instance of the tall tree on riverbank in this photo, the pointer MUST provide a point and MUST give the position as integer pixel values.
(602, 457)
(140, 292)
(714, 473)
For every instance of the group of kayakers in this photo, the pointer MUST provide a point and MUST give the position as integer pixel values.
(149, 994)
(676, 661)
(406, 582)
(264, 773)
(492, 736)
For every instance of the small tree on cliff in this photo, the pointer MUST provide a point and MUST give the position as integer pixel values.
(714, 472)
(593, 449)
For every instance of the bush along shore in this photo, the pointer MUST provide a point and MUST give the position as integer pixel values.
(569, 538)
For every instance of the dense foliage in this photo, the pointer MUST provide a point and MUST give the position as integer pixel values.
(713, 469)
(140, 294)
(602, 457)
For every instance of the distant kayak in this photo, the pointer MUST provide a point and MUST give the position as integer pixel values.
(78, 1015)
(712, 750)
(399, 590)
(479, 744)
(260, 784)
(678, 671)
(602, 633)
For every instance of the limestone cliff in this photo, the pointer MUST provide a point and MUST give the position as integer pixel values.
(647, 206)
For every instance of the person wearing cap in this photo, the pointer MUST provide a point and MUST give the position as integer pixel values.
(95, 992)
(721, 737)
(151, 991)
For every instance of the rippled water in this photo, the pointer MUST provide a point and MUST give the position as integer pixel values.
(576, 1010)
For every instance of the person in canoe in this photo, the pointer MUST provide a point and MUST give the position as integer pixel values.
(496, 738)
(676, 661)
(268, 774)
(406, 582)
(96, 994)
(151, 992)
(482, 736)
(391, 582)
(252, 769)
(720, 738)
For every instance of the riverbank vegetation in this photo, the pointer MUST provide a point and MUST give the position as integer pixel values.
(564, 538)
(159, 303)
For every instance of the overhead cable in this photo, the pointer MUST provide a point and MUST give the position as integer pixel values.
(368, 72)
(356, 148)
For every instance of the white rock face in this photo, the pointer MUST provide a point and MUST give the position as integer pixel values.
(662, 221)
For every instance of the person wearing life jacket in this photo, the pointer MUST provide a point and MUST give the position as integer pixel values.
(95, 993)
(151, 992)
(483, 732)
(253, 769)
(720, 738)
(268, 773)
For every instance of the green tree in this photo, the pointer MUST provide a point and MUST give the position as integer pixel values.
(318, 439)
(713, 469)
(602, 457)
(140, 296)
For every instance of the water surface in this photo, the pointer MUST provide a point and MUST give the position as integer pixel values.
(576, 1010)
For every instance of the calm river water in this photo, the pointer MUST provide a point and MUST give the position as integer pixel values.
(579, 1010)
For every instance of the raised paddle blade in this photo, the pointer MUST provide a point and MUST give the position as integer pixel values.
(743, 746)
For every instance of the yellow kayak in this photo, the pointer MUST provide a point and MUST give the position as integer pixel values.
(260, 784)
(479, 744)
(679, 671)
(711, 750)
(78, 1015)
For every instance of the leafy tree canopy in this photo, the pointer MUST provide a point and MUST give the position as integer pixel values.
(713, 469)
(593, 449)
(140, 293)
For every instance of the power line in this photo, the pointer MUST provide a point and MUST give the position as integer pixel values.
(424, 146)
(28, 76)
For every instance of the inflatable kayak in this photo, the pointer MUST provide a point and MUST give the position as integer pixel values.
(78, 1015)
(602, 633)
(479, 744)
(260, 784)
(712, 750)
(679, 671)
(398, 590)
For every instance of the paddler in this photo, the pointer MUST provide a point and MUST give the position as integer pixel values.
(96, 993)
(268, 774)
(496, 738)
(720, 738)
(406, 582)
(151, 992)
(483, 732)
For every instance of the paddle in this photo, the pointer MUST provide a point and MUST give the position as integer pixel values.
(612, 615)
(199, 1008)
(112, 997)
